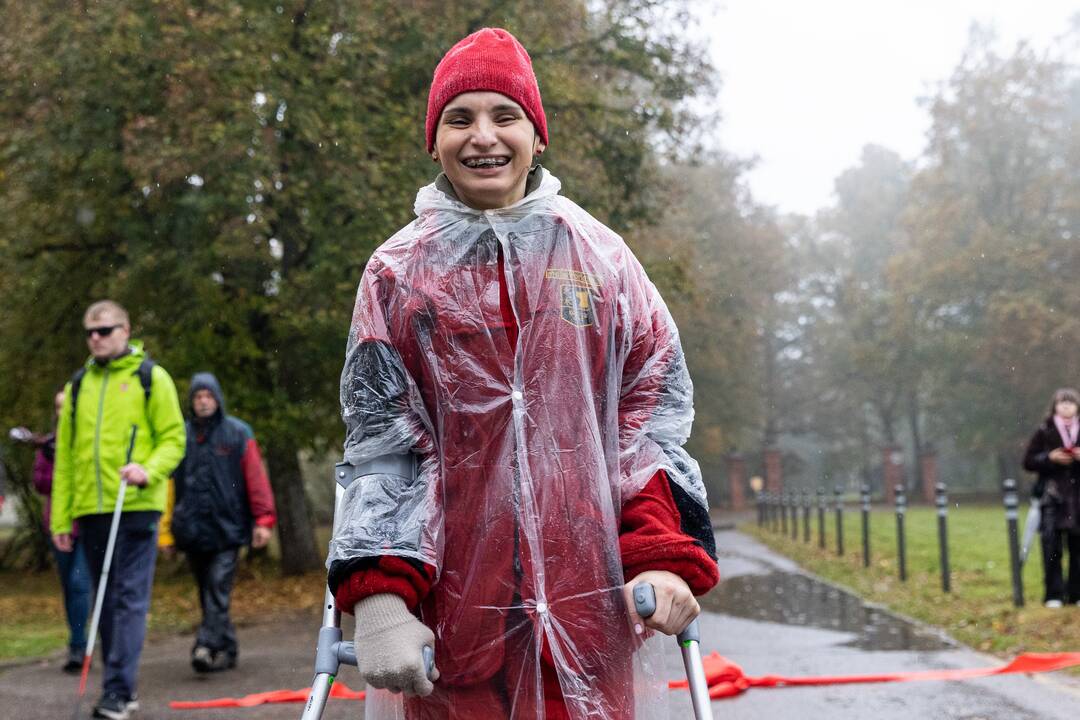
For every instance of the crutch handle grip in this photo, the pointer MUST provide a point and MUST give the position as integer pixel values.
(645, 605)
(689, 642)
(343, 652)
(429, 662)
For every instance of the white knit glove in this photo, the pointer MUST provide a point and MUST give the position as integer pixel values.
(389, 644)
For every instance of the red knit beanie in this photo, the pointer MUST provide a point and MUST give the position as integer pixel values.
(489, 59)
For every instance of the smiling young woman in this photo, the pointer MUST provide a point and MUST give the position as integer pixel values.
(486, 145)
(512, 349)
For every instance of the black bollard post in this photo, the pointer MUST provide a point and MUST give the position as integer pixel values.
(806, 516)
(865, 525)
(760, 509)
(783, 512)
(821, 518)
(901, 548)
(795, 504)
(942, 503)
(839, 493)
(1011, 505)
(770, 510)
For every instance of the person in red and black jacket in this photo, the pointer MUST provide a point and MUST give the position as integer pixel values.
(223, 502)
(1053, 453)
(513, 347)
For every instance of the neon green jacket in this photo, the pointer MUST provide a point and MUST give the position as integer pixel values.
(86, 477)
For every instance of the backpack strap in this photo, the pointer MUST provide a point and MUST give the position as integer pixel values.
(76, 381)
(146, 379)
(146, 376)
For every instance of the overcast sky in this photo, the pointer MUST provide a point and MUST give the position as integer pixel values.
(806, 84)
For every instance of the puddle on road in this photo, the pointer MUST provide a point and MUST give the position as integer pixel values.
(792, 599)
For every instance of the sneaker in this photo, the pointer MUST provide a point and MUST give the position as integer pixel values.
(74, 661)
(113, 707)
(1055, 604)
(202, 659)
(205, 660)
(133, 702)
(222, 661)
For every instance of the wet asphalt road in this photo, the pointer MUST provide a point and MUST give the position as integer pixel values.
(772, 620)
(766, 616)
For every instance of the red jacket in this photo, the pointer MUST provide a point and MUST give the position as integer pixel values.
(536, 372)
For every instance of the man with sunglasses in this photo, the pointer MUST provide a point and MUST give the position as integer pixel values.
(117, 388)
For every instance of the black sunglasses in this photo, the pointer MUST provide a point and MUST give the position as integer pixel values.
(104, 331)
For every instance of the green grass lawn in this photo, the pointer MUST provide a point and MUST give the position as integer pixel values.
(978, 611)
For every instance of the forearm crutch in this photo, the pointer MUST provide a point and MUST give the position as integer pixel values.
(332, 652)
(690, 644)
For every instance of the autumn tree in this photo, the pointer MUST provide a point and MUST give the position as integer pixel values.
(225, 170)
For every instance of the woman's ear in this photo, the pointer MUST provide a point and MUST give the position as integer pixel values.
(540, 147)
(435, 156)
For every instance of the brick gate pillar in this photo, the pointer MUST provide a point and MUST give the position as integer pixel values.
(774, 478)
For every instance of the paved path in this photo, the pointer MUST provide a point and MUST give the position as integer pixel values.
(771, 619)
(766, 616)
(272, 656)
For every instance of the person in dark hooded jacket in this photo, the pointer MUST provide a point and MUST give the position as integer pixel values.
(1054, 455)
(223, 501)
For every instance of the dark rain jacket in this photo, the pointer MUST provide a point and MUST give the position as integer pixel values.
(1061, 483)
(221, 486)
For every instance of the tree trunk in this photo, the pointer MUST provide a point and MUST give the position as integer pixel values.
(771, 429)
(295, 529)
(866, 469)
(1008, 465)
(916, 438)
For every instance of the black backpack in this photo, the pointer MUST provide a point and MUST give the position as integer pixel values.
(146, 379)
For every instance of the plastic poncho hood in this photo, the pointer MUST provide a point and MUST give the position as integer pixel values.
(528, 444)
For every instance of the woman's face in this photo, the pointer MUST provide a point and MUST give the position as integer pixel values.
(1066, 409)
(486, 144)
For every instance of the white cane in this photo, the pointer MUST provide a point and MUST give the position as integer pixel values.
(690, 644)
(104, 580)
(1030, 526)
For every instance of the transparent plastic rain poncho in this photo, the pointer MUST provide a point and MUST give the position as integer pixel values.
(525, 453)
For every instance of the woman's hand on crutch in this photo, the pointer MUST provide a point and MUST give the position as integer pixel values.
(676, 606)
(389, 642)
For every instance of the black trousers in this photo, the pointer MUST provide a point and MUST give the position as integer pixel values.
(1053, 542)
(215, 573)
(127, 592)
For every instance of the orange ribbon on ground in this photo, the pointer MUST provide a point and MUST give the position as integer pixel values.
(337, 690)
(726, 679)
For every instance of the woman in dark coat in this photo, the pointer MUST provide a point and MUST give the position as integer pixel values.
(1052, 453)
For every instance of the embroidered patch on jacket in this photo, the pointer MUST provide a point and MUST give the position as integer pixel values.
(577, 305)
(577, 277)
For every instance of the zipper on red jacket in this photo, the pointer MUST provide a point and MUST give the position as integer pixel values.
(509, 322)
